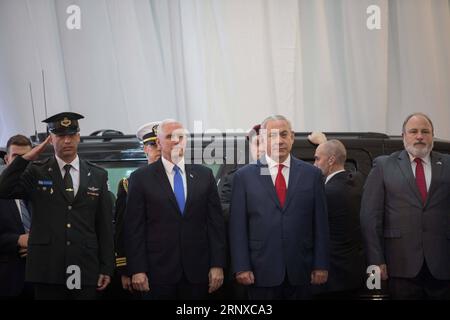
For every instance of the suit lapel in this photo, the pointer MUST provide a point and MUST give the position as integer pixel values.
(266, 180)
(294, 176)
(436, 172)
(55, 173)
(191, 182)
(405, 166)
(160, 173)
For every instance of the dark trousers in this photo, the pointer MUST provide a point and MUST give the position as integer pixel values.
(182, 290)
(27, 293)
(338, 295)
(285, 291)
(423, 286)
(61, 292)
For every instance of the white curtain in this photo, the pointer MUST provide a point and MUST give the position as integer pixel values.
(227, 63)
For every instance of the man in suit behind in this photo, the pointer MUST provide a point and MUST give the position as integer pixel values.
(147, 136)
(278, 222)
(405, 215)
(174, 233)
(343, 190)
(233, 289)
(71, 231)
(15, 222)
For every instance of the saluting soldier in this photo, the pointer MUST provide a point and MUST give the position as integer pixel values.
(147, 135)
(71, 244)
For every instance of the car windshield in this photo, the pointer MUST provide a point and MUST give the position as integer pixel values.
(119, 170)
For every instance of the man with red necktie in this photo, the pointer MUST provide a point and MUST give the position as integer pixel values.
(279, 233)
(405, 215)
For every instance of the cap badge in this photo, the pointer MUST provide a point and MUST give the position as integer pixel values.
(155, 129)
(66, 122)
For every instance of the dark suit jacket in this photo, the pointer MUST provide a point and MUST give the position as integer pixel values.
(347, 261)
(225, 193)
(398, 228)
(63, 233)
(270, 240)
(12, 267)
(162, 242)
(121, 204)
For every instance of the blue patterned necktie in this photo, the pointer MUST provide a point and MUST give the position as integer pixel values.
(178, 188)
(26, 216)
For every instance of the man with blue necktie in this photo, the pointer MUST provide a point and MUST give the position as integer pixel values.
(15, 221)
(175, 233)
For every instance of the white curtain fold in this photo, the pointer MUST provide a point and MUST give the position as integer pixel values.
(227, 63)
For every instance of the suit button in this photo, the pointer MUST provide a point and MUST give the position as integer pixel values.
(69, 207)
(68, 243)
(69, 225)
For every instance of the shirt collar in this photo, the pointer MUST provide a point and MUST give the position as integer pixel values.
(332, 175)
(75, 163)
(426, 159)
(168, 166)
(272, 163)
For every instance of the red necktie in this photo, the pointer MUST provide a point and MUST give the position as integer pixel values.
(280, 185)
(420, 179)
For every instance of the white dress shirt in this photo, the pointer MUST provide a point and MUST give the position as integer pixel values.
(273, 168)
(426, 163)
(168, 166)
(332, 175)
(74, 171)
(19, 208)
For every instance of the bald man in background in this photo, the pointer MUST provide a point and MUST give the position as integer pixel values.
(343, 191)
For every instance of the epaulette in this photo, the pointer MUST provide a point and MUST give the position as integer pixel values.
(95, 165)
(125, 184)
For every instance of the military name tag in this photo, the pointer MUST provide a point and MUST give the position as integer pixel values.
(47, 183)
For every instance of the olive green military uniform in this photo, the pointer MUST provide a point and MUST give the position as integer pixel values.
(63, 232)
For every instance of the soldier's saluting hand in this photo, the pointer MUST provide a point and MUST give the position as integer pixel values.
(71, 247)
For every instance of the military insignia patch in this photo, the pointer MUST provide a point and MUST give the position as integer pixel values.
(93, 191)
(66, 122)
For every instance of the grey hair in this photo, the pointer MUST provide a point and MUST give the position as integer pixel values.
(163, 124)
(275, 118)
(417, 114)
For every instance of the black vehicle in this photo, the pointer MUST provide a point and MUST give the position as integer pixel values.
(121, 154)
